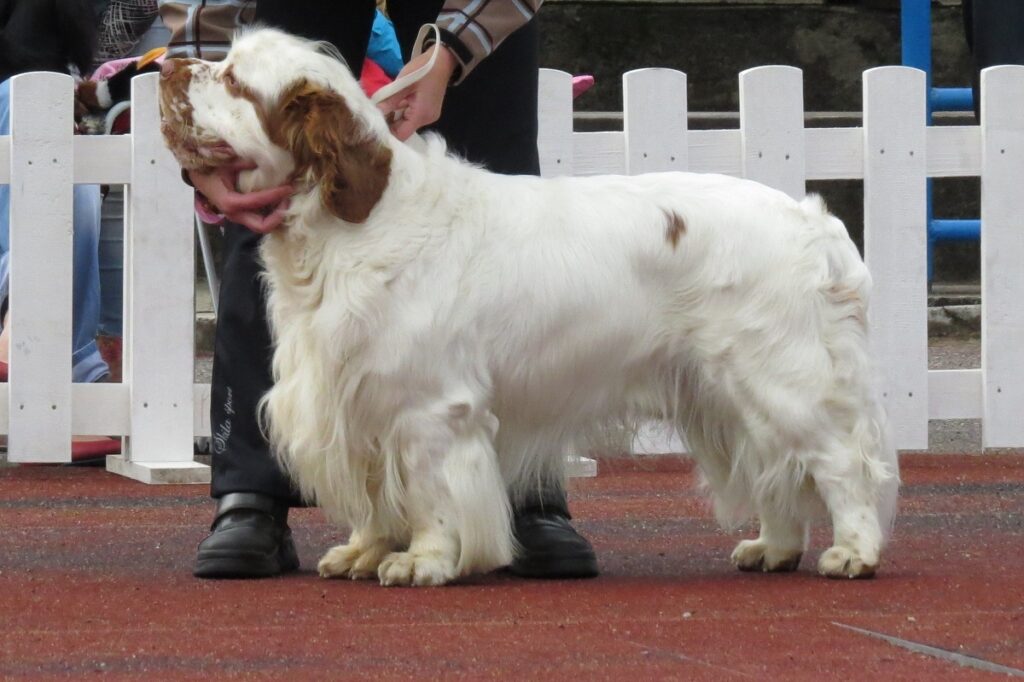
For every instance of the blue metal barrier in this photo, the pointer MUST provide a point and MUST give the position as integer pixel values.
(916, 40)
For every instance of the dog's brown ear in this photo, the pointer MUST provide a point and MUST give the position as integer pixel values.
(325, 137)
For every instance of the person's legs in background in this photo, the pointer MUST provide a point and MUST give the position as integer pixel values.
(995, 34)
(111, 263)
(491, 119)
(250, 536)
(87, 365)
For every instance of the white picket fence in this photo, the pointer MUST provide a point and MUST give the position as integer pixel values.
(158, 408)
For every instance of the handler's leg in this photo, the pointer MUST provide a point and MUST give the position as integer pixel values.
(250, 537)
(995, 32)
(491, 119)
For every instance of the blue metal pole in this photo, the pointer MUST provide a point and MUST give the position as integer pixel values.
(951, 99)
(956, 230)
(916, 36)
(916, 45)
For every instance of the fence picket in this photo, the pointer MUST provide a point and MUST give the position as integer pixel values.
(772, 128)
(894, 244)
(159, 345)
(554, 116)
(42, 167)
(654, 120)
(1002, 277)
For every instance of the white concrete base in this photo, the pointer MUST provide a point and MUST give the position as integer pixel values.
(159, 473)
(582, 467)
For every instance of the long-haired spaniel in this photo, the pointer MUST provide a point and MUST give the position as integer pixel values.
(444, 336)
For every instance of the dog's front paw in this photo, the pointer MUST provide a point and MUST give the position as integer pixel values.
(353, 560)
(842, 562)
(757, 555)
(407, 568)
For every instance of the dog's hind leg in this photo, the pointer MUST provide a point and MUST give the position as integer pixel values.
(778, 548)
(854, 495)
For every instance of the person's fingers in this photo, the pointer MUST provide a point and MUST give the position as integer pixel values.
(259, 222)
(240, 164)
(403, 128)
(238, 202)
(274, 220)
(396, 102)
(247, 219)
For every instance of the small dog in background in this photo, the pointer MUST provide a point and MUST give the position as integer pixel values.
(444, 335)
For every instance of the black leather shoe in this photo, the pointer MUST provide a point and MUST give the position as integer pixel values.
(551, 547)
(249, 538)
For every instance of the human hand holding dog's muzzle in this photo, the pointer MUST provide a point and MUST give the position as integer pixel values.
(261, 211)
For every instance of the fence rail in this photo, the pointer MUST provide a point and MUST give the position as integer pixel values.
(158, 408)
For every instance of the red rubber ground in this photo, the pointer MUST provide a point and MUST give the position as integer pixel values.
(95, 578)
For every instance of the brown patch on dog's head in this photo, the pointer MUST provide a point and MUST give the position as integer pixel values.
(176, 122)
(331, 148)
(675, 228)
(238, 89)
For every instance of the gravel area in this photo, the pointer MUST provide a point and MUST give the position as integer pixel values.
(204, 369)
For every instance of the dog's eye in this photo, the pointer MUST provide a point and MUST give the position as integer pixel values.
(230, 80)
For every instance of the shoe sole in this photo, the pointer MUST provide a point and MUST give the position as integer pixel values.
(556, 568)
(235, 565)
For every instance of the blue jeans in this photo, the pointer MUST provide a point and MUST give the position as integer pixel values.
(87, 365)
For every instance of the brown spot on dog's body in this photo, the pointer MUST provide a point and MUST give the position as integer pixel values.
(331, 148)
(842, 296)
(675, 228)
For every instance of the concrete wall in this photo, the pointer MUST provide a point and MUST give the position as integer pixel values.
(832, 41)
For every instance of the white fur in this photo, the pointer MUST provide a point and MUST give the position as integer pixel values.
(476, 328)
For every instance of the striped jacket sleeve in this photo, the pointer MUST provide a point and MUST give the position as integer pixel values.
(472, 29)
(203, 28)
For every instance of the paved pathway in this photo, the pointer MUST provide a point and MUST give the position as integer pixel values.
(94, 578)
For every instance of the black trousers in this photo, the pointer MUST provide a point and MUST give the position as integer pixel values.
(995, 34)
(490, 118)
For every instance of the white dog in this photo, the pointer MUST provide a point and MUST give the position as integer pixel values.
(445, 335)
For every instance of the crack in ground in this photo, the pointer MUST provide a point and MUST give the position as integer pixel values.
(935, 652)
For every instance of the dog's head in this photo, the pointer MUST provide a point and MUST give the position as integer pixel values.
(289, 106)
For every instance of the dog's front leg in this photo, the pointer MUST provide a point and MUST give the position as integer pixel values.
(434, 545)
(359, 558)
(455, 501)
